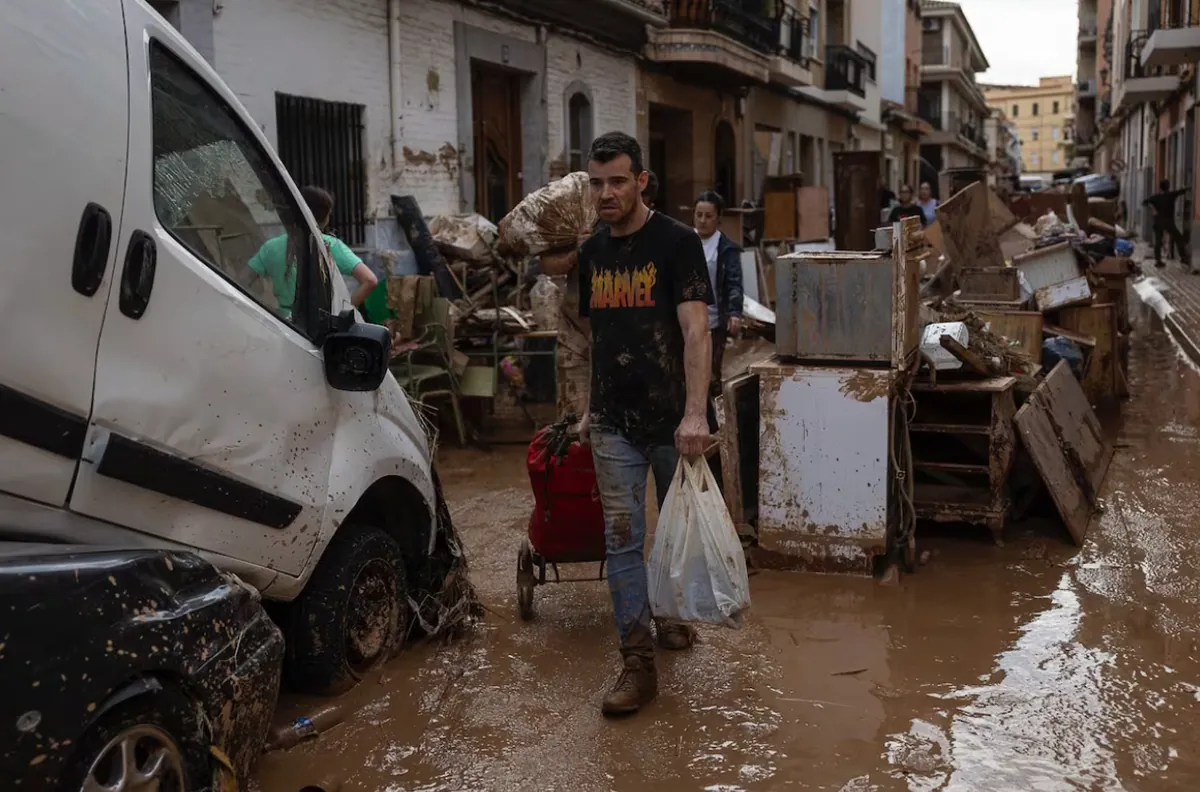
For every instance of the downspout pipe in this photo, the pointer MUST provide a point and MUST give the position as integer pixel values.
(394, 83)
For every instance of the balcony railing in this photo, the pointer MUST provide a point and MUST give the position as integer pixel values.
(1169, 15)
(1133, 68)
(793, 36)
(1088, 28)
(845, 70)
(1087, 87)
(930, 110)
(730, 17)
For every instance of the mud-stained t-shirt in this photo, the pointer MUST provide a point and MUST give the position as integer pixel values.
(630, 288)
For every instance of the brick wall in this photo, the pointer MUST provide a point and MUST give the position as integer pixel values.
(338, 50)
(611, 85)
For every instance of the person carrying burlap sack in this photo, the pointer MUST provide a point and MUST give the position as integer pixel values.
(573, 372)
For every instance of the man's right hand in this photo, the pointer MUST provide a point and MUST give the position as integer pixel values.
(585, 427)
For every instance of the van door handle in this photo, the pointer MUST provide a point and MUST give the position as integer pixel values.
(137, 280)
(92, 242)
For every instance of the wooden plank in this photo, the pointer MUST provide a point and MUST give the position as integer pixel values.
(906, 311)
(980, 386)
(1024, 327)
(969, 359)
(1064, 438)
(971, 232)
(1101, 380)
(990, 283)
(779, 218)
(812, 208)
(731, 466)
(1078, 338)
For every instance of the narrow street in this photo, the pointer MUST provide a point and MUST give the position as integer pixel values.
(1029, 666)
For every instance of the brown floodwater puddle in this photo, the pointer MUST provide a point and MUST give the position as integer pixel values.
(1032, 666)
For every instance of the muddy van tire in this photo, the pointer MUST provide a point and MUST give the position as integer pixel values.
(351, 617)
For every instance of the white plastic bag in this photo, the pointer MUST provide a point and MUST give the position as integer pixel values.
(697, 570)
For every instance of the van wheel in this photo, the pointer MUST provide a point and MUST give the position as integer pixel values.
(352, 615)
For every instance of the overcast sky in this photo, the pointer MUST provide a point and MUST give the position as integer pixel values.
(1025, 39)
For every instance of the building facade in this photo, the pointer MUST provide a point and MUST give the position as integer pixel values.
(1043, 115)
(1151, 134)
(465, 108)
(1004, 150)
(899, 87)
(950, 99)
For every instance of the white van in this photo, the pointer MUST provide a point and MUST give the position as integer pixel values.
(151, 391)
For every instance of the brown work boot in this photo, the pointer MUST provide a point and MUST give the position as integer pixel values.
(636, 686)
(675, 636)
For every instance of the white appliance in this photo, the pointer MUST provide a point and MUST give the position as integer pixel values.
(823, 463)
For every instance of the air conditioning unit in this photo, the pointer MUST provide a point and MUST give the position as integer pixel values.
(932, 24)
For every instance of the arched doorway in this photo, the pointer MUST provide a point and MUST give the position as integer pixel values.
(725, 162)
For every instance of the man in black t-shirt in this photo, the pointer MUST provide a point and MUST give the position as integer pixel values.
(1163, 203)
(643, 284)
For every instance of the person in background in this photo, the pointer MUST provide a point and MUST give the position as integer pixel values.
(927, 202)
(887, 200)
(645, 288)
(1163, 204)
(273, 262)
(573, 350)
(650, 194)
(906, 207)
(724, 260)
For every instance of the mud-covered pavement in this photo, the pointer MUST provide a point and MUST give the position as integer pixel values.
(1031, 666)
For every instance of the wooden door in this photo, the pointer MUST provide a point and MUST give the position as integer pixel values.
(856, 175)
(496, 110)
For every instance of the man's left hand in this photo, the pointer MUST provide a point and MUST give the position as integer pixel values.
(691, 438)
(734, 325)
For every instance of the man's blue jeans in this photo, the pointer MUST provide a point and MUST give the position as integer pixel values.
(621, 468)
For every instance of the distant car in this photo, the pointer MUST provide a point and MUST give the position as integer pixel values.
(125, 669)
(1032, 183)
(1099, 185)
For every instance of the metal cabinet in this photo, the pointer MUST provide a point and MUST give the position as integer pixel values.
(848, 307)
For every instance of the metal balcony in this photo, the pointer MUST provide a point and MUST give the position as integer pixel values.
(846, 78)
(723, 39)
(1089, 34)
(1174, 37)
(729, 17)
(790, 64)
(1143, 83)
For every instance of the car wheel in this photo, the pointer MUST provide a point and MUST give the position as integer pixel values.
(151, 742)
(352, 614)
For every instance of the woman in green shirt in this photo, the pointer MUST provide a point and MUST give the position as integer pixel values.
(271, 261)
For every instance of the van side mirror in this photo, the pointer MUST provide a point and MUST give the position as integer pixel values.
(356, 354)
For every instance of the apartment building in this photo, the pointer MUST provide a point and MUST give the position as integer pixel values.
(1092, 80)
(899, 87)
(1004, 150)
(950, 99)
(465, 108)
(1152, 130)
(1043, 115)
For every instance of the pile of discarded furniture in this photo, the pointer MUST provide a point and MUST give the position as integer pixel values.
(949, 375)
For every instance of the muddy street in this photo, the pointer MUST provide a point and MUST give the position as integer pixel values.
(1031, 666)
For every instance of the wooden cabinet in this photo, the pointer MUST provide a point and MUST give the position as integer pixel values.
(962, 451)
